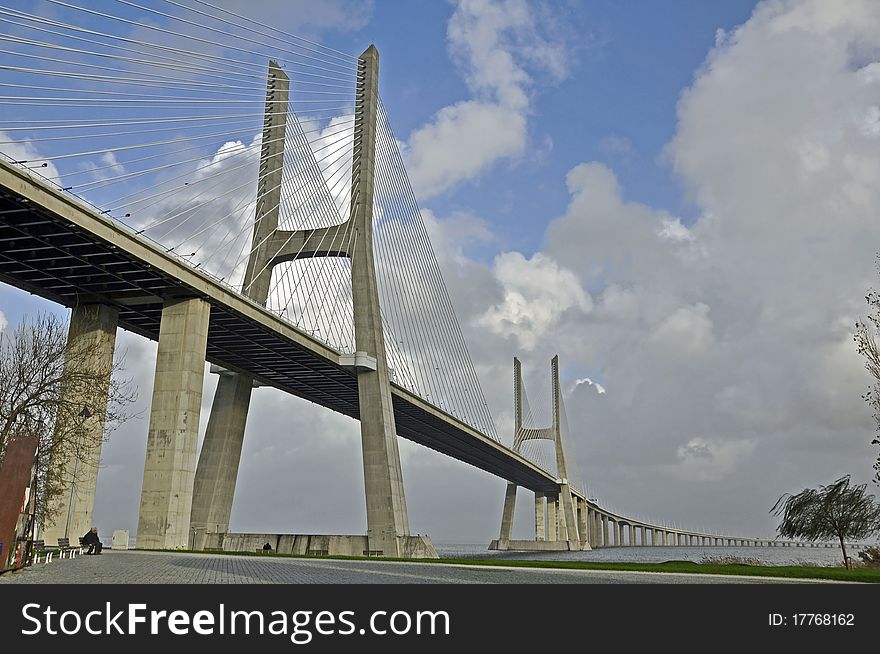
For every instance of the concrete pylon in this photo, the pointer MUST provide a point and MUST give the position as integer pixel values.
(93, 327)
(383, 480)
(563, 523)
(387, 521)
(217, 471)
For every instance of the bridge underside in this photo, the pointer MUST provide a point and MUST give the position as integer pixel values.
(52, 256)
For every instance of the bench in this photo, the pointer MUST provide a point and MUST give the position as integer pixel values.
(38, 550)
(65, 548)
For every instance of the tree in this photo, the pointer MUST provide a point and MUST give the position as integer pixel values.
(836, 511)
(49, 389)
(866, 344)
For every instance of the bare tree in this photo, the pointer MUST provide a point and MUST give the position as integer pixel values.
(866, 343)
(836, 511)
(49, 390)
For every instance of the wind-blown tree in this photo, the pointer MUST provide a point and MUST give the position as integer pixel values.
(836, 511)
(49, 389)
(866, 344)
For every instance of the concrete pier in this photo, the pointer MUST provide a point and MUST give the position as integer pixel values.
(540, 511)
(93, 328)
(169, 469)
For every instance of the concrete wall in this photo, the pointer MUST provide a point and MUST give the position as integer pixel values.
(411, 547)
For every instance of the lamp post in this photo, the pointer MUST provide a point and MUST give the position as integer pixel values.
(85, 414)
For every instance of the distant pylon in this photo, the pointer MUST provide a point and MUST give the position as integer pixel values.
(561, 523)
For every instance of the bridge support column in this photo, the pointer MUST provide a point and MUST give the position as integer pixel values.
(93, 328)
(217, 471)
(616, 533)
(568, 523)
(507, 516)
(540, 523)
(606, 531)
(169, 469)
(387, 519)
(583, 522)
(552, 517)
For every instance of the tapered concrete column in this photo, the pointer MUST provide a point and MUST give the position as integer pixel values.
(583, 530)
(552, 517)
(568, 524)
(169, 469)
(597, 526)
(217, 470)
(616, 533)
(540, 509)
(383, 480)
(653, 537)
(93, 329)
(631, 535)
(507, 516)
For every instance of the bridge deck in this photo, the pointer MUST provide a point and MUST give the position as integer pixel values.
(64, 250)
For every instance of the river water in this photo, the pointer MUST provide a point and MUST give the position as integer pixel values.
(765, 555)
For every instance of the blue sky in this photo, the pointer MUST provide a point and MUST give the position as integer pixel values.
(628, 65)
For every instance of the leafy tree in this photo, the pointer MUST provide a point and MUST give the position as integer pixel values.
(52, 390)
(836, 511)
(866, 344)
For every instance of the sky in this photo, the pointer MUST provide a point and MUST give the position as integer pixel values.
(679, 199)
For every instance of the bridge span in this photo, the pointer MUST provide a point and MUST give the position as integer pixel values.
(56, 245)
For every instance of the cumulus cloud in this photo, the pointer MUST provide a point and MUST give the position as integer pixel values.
(498, 45)
(588, 382)
(537, 293)
(727, 339)
(18, 150)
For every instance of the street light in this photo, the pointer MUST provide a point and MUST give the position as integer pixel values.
(85, 414)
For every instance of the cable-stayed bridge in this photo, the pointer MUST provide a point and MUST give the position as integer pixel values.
(236, 193)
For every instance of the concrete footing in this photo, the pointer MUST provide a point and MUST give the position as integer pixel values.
(409, 547)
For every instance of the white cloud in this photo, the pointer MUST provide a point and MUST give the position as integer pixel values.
(24, 151)
(589, 382)
(498, 45)
(3, 321)
(537, 292)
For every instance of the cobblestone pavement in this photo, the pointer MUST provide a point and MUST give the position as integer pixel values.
(131, 567)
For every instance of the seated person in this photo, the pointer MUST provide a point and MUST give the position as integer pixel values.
(91, 539)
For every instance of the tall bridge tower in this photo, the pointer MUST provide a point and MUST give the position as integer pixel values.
(560, 517)
(215, 476)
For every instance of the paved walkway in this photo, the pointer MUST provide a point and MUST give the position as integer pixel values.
(133, 567)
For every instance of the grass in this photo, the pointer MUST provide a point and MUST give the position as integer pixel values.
(865, 575)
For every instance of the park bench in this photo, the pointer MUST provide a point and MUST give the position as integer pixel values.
(39, 551)
(64, 548)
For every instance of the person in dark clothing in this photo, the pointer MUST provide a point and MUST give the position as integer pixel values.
(91, 539)
(267, 547)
